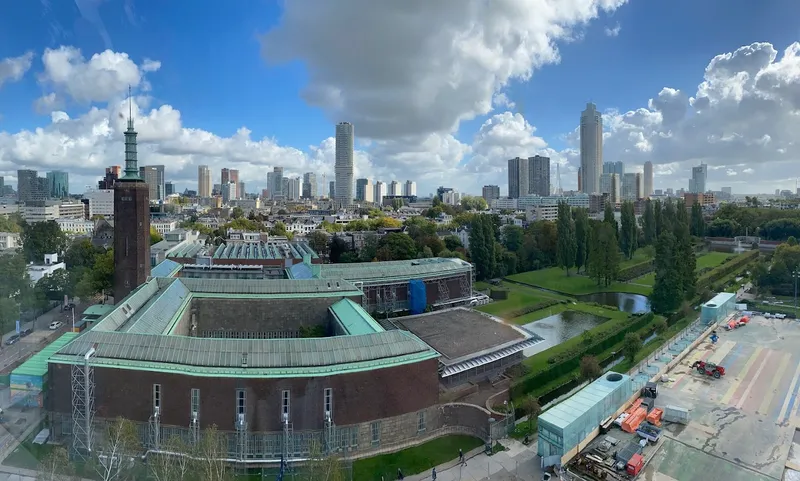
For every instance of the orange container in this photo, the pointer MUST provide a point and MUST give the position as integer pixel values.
(634, 406)
(654, 417)
(633, 421)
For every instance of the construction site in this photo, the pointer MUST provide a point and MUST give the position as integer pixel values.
(723, 407)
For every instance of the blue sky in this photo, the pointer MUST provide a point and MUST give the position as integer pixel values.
(212, 69)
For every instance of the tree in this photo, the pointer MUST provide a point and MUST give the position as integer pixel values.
(604, 255)
(686, 260)
(321, 468)
(567, 245)
(479, 249)
(660, 326)
(667, 292)
(396, 246)
(452, 243)
(531, 407)
(318, 240)
(116, 447)
(337, 248)
(40, 238)
(370, 248)
(490, 228)
(658, 218)
(629, 233)
(55, 466)
(81, 254)
(237, 213)
(649, 223)
(211, 451)
(155, 236)
(697, 224)
(609, 218)
(631, 344)
(512, 236)
(55, 286)
(9, 313)
(9, 224)
(581, 238)
(590, 368)
(179, 467)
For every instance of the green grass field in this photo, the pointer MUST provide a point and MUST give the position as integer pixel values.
(518, 297)
(638, 257)
(556, 279)
(418, 459)
(708, 260)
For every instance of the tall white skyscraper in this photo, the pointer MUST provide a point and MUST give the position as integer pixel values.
(204, 184)
(591, 149)
(275, 183)
(410, 188)
(344, 164)
(609, 184)
(648, 179)
(380, 192)
(394, 188)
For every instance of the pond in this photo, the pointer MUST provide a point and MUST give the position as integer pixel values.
(630, 303)
(559, 328)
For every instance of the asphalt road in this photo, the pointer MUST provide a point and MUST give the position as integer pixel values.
(41, 329)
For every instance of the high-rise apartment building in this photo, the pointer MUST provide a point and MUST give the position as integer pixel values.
(380, 192)
(169, 189)
(225, 176)
(639, 183)
(609, 184)
(539, 175)
(410, 189)
(580, 179)
(275, 183)
(697, 184)
(234, 179)
(632, 186)
(394, 188)
(309, 185)
(204, 184)
(58, 184)
(113, 174)
(293, 189)
(591, 132)
(332, 190)
(153, 176)
(490, 193)
(648, 179)
(240, 192)
(364, 190)
(614, 168)
(518, 178)
(344, 164)
(29, 187)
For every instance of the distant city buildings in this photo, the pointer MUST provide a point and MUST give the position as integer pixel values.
(379, 192)
(697, 184)
(204, 182)
(364, 190)
(58, 184)
(591, 148)
(518, 178)
(394, 188)
(410, 189)
(539, 175)
(490, 193)
(343, 168)
(275, 183)
(153, 176)
(30, 187)
(610, 185)
(648, 179)
(309, 185)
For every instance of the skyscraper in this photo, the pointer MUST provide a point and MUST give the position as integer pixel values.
(204, 185)
(364, 190)
(332, 190)
(591, 131)
(380, 192)
(344, 164)
(648, 179)
(490, 193)
(614, 168)
(629, 186)
(58, 184)
(697, 184)
(28, 186)
(275, 183)
(539, 175)
(518, 180)
(153, 176)
(394, 188)
(225, 176)
(609, 184)
(410, 189)
(112, 175)
(234, 179)
(131, 237)
(309, 185)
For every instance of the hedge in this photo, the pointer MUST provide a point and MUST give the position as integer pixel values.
(635, 271)
(565, 362)
(534, 307)
(725, 269)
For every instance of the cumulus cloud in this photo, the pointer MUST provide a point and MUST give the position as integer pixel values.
(13, 68)
(613, 31)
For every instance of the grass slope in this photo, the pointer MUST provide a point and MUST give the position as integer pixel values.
(556, 279)
(414, 460)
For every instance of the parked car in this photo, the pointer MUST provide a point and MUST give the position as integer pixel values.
(55, 325)
(25, 332)
(12, 339)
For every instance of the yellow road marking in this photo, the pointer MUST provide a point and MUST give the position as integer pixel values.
(721, 352)
(753, 380)
(774, 384)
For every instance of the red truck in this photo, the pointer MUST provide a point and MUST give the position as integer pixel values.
(709, 369)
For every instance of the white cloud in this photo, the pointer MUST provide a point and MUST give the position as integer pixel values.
(105, 76)
(47, 103)
(13, 68)
(613, 31)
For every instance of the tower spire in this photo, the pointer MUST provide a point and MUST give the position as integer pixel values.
(131, 161)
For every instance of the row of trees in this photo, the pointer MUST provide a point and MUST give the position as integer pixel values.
(731, 220)
(675, 261)
(777, 276)
(119, 457)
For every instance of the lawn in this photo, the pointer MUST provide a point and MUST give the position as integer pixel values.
(556, 279)
(639, 257)
(414, 460)
(518, 297)
(27, 455)
(572, 306)
(712, 259)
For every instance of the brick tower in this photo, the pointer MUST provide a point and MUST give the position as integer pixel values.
(131, 221)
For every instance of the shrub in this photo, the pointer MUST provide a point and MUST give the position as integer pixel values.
(725, 269)
(635, 271)
(533, 308)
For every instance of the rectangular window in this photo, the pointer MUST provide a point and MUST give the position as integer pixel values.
(375, 427)
(156, 396)
(241, 402)
(285, 405)
(328, 401)
(421, 421)
(195, 402)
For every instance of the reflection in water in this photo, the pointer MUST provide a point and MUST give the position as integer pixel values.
(560, 327)
(630, 303)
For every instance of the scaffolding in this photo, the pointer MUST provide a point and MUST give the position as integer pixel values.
(444, 291)
(154, 429)
(82, 406)
(241, 445)
(330, 434)
(465, 286)
(288, 443)
(194, 428)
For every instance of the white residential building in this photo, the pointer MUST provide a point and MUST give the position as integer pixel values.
(101, 202)
(504, 203)
(163, 226)
(10, 240)
(410, 189)
(40, 212)
(49, 266)
(76, 226)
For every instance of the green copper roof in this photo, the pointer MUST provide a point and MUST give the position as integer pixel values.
(353, 318)
(37, 364)
(393, 270)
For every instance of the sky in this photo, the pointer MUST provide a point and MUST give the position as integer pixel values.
(441, 93)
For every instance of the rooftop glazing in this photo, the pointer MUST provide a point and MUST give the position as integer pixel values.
(246, 250)
(391, 270)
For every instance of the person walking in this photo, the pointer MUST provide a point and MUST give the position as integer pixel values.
(400, 475)
(433, 474)
(461, 457)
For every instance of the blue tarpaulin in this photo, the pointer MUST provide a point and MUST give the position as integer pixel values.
(417, 299)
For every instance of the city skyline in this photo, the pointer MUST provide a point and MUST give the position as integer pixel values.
(461, 137)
